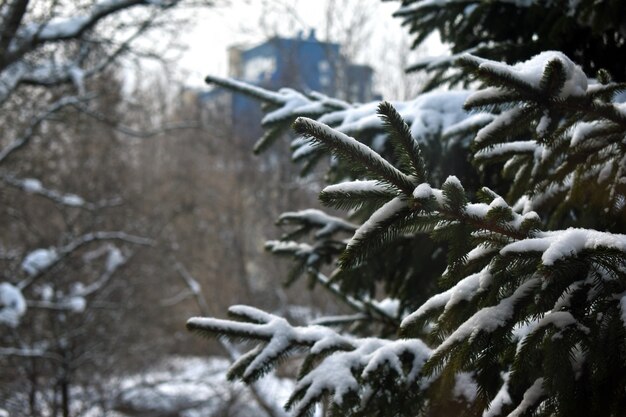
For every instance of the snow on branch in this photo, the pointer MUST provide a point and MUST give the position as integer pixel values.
(288, 101)
(24, 37)
(29, 353)
(386, 310)
(12, 304)
(31, 35)
(34, 186)
(427, 115)
(342, 359)
(353, 151)
(534, 73)
(39, 261)
(328, 225)
(556, 245)
(488, 319)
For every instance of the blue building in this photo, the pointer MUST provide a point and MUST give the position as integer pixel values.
(302, 63)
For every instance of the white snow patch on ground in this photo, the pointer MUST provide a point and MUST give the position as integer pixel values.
(195, 387)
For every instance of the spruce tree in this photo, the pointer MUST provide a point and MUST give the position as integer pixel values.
(529, 316)
(590, 32)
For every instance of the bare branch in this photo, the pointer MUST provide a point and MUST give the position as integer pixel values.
(31, 36)
(137, 133)
(64, 251)
(28, 353)
(34, 186)
(30, 130)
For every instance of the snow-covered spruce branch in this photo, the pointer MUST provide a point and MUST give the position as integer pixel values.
(364, 305)
(410, 199)
(449, 204)
(565, 120)
(335, 363)
(307, 219)
(289, 101)
(349, 149)
(308, 260)
(427, 115)
(40, 261)
(194, 289)
(513, 269)
(285, 106)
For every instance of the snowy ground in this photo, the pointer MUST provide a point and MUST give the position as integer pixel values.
(192, 387)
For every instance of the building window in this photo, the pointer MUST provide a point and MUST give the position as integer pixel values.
(259, 69)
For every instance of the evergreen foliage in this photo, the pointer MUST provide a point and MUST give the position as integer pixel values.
(588, 31)
(529, 317)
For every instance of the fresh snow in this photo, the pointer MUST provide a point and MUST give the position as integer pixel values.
(72, 200)
(530, 399)
(423, 191)
(328, 224)
(501, 399)
(527, 146)
(475, 121)
(561, 244)
(39, 260)
(531, 72)
(12, 304)
(622, 305)
(335, 373)
(356, 187)
(303, 250)
(558, 319)
(427, 115)
(388, 210)
(390, 306)
(465, 387)
(502, 121)
(76, 304)
(488, 319)
(194, 387)
(542, 126)
(465, 290)
(115, 258)
(32, 185)
(583, 130)
(293, 101)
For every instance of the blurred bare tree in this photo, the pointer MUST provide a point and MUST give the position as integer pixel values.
(66, 234)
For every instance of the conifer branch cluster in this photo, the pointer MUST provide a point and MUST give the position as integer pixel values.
(529, 315)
